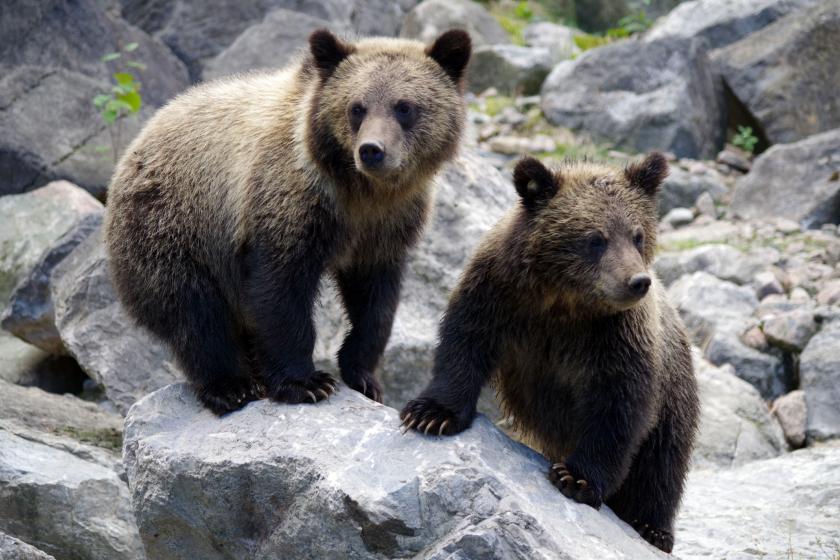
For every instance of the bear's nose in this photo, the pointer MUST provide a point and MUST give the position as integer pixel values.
(371, 153)
(639, 284)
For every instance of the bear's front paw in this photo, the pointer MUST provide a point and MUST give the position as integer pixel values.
(229, 395)
(317, 387)
(365, 383)
(576, 488)
(427, 416)
(660, 538)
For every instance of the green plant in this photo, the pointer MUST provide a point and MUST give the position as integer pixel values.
(745, 139)
(585, 41)
(123, 99)
(523, 10)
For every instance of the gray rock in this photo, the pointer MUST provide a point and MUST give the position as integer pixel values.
(721, 22)
(50, 71)
(471, 196)
(735, 424)
(558, 39)
(678, 217)
(63, 415)
(763, 370)
(700, 234)
(15, 549)
(682, 188)
(792, 412)
(829, 293)
(339, 480)
(125, 359)
(819, 373)
(705, 205)
(785, 76)
(30, 314)
(734, 158)
(640, 97)
(776, 508)
(430, 18)
(790, 331)
(722, 261)
(380, 17)
(796, 181)
(510, 69)
(34, 221)
(272, 43)
(63, 505)
(766, 283)
(716, 313)
(518, 145)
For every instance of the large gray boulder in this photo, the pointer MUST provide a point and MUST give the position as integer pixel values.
(471, 196)
(430, 18)
(272, 43)
(721, 22)
(777, 508)
(797, 181)
(339, 480)
(95, 329)
(640, 96)
(32, 222)
(718, 259)
(63, 505)
(558, 39)
(63, 415)
(15, 549)
(717, 313)
(819, 372)
(30, 314)
(786, 76)
(510, 69)
(736, 426)
(50, 71)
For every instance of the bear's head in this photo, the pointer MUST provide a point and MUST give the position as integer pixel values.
(589, 230)
(387, 110)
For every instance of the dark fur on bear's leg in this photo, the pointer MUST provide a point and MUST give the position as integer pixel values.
(370, 295)
(650, 495)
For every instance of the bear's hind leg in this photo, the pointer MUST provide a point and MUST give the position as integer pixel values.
(201, 333)
(649, 497)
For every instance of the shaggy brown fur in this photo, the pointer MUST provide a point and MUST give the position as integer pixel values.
(241, 194)
(559, 303)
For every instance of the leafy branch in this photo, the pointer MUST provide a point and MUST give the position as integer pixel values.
(123, 99)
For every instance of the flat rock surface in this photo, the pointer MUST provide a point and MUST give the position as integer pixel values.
(338, 480)
(786, 507)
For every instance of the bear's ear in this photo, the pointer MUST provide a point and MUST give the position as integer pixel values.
(648, 174)
(327, 51)
(534, 182)
(452, 51)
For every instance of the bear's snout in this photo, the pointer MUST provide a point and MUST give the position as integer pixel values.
(639, 284)
(372, 154)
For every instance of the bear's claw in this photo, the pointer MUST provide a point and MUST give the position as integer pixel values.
(577, 489)
(427, 416)
(319, 386)
(660, 538)
(232, 395)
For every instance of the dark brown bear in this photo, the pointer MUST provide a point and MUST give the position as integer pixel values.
(241, 194)
(560, 307)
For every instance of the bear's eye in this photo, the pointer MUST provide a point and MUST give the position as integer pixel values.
(597, 245)
(639, 240)
(405, 113)
(357, 110)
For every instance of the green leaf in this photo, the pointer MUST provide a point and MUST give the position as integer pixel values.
(109, 116)
(124, 78)
(111, 56)
(135, 64)
(130, 47)
(133, 100)
(101, 99)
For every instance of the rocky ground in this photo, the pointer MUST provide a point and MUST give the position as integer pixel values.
(749, 250)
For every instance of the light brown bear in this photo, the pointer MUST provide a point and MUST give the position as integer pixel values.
(238, 196)
(559, 305)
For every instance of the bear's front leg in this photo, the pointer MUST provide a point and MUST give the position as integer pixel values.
(612, 430)
(371, 294)
(280, 290)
